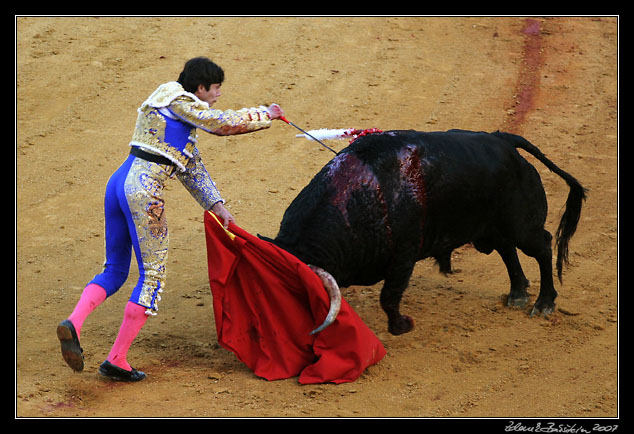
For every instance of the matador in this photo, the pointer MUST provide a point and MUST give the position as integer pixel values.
(163, 146)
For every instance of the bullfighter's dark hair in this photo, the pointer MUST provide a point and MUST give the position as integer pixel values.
(200, 70)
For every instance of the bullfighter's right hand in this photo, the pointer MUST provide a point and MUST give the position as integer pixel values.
(275, 111)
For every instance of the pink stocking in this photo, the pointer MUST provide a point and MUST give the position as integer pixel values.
(92, 296)
(134, 318)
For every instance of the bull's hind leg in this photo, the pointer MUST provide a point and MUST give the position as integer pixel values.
(518, 296)
(444, 262)
(539, 247)
(395, 284)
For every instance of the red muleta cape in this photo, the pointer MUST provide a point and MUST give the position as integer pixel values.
(266, 302)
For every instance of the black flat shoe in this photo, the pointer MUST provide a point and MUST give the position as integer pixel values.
(116, 373)
(71, 350)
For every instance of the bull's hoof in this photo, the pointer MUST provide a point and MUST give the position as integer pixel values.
(517, 301)
(542, 309)
(402, 325)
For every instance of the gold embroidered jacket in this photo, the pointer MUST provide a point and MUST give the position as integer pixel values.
(166, 125)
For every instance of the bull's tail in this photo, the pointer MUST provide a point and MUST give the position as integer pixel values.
(576, 196)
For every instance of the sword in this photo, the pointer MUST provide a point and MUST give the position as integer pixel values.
(307, 134)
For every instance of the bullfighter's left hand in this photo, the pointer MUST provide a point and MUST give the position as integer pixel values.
(220, 210)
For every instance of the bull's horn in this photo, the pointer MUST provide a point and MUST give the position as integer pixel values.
(335, 296)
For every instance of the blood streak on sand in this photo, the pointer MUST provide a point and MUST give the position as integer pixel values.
(528, 83)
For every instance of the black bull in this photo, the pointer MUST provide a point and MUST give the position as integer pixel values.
(391, 199)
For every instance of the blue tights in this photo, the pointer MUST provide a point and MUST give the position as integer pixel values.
(135, 219)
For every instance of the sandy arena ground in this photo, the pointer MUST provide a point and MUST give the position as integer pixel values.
(79, 82)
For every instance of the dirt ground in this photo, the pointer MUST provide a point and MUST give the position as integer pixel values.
(79, 82)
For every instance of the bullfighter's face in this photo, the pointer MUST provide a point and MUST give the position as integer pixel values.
(211, 95)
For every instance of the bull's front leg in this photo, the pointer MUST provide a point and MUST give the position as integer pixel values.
(391, 294)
